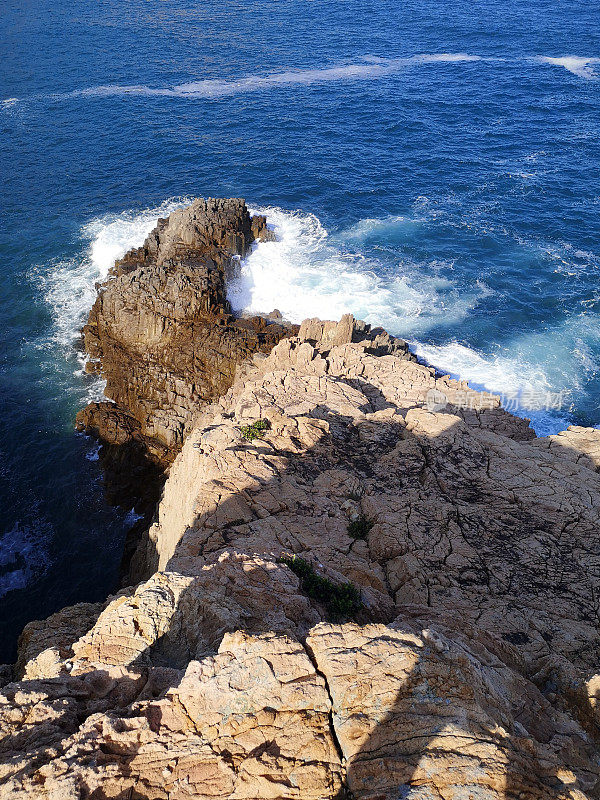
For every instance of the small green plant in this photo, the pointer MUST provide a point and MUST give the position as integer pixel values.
(359, 528)
(341, 600)
(253, 431)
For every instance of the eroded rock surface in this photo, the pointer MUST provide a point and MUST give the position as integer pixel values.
(467, 669)
(369, 711)
(162, 335)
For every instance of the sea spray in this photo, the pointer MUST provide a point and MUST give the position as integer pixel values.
(69, 286)
(308, 271)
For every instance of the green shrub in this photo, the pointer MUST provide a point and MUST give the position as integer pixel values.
(341, 600)
(359, 528)
(253, 431)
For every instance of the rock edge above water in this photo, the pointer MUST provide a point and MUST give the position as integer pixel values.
(465, 665)
(162, 335)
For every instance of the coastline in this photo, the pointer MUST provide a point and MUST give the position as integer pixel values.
(381, 514)
(176, 288)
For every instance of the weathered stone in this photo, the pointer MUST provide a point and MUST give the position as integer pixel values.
(466, 663)
(163, 333)
(418, 714)
(252, 721)
(57, 632)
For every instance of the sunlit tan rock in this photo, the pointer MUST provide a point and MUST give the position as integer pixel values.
(466, 668)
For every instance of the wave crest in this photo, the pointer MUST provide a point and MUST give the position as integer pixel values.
(307, 273)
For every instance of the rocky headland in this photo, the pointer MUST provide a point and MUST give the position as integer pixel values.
(363, 579)
(162, 335)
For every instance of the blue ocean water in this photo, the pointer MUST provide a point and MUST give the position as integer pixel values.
(431, 167)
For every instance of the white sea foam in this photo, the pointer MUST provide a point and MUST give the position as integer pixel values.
(368, 68)
(582, 67)
(446, 58)
(68, 286)
(23, 554)
(305, 274)
(503, 373)
(538, 375)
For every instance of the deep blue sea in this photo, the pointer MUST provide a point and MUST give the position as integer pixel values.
(430, 166)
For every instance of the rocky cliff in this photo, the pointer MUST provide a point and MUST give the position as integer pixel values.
(364, 580)
(162, 336)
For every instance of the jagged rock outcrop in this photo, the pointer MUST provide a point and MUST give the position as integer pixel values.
(464, 664)
(163, 337)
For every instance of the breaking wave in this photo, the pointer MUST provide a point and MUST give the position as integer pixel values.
(69, 286)
(308, 272)
(527, 388)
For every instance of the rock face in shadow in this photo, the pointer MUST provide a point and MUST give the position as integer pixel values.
(365, 581)
(162, 335)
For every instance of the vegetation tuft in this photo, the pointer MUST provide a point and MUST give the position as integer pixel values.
(341, 600)
(359, 529)
(253, 431)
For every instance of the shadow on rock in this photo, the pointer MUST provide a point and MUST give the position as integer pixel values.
(231, 673)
